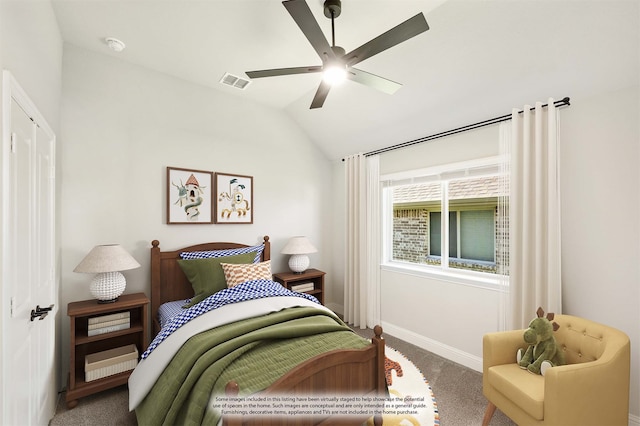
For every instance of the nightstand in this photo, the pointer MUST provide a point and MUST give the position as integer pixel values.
(86, 340)
(313, 277)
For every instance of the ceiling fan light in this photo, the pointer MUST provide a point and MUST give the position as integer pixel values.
(334, 74)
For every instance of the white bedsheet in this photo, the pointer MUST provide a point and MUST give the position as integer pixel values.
(148, 370)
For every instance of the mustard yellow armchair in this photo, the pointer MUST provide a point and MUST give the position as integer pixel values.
(592, 389)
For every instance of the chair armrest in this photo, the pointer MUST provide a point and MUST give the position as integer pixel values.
(501, 348)
(590, 386)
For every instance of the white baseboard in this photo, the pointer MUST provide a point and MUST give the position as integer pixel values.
(445, 351)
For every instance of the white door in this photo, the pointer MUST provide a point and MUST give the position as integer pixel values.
(28, 266)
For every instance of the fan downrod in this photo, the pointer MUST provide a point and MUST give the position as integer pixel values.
(332, 8)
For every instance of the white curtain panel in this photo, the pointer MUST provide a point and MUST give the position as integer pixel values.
(534, 215)
(502, 238)
(374, 240)
(362, 269)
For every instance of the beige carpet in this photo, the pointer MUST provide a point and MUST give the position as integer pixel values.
(110, 407)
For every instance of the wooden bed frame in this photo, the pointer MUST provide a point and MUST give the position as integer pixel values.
(168, 282)
(340, 372)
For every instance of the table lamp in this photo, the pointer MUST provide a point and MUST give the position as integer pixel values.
(298, 248)
(107, 261)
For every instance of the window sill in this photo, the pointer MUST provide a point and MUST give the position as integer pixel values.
(473, 279)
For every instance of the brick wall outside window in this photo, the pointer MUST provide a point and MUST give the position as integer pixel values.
(411, 241)
(410, 235)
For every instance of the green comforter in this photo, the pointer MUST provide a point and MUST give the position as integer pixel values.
(254, 352)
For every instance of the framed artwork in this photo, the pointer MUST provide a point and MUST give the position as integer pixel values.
(234, 198)
(189, 196)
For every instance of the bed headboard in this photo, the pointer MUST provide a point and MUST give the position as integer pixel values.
(169, 283)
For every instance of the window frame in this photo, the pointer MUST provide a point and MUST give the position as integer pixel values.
(489, 166)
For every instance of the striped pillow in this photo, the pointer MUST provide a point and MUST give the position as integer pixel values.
(237, 274)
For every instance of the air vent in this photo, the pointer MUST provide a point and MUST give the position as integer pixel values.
(234, 81)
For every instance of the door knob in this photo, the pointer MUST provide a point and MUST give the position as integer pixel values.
(39, 309)
(40, 313)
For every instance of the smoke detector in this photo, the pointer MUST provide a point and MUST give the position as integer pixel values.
(114, 44)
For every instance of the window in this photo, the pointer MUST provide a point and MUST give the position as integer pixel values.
(471, 234)
(450, 220)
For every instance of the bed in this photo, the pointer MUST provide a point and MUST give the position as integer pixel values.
(299, 346)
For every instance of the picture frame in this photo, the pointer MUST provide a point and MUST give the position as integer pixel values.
(189, 196)
(234, 198)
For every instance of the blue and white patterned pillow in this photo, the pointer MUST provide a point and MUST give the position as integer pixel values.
(206, 254)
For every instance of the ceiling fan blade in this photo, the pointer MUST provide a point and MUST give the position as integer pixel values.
(321, 95)
(374, 81)
(283, 71)
(300, 12)
(396, 35)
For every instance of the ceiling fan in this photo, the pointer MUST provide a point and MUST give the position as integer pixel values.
(335, 62)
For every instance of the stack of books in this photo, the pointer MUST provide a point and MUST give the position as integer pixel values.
(303, 287)
(109, 323)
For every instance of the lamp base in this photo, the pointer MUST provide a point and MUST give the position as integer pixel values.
(298, 263)
(107, 286)
(100, 302)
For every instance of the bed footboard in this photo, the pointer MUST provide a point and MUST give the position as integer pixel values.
(357, 372)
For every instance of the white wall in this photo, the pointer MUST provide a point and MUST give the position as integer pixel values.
(600, 184)
(122, 125)
(600, 158)
(31, 49)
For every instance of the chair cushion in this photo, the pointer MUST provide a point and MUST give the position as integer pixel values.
(524, 389)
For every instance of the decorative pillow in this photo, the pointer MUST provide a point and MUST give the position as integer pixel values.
(238, 274)
(206, 275)
(256, 250)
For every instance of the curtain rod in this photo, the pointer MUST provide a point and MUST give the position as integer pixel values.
(495, 120)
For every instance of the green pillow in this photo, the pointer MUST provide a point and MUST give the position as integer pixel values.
(206, 275)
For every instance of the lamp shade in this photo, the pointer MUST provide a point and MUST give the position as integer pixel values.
(107, 261)
(298, 245)
(298, 248)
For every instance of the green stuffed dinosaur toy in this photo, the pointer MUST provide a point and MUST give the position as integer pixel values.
(543, 351)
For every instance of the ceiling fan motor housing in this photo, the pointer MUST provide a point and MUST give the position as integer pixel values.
(338, 51)
(334, 6)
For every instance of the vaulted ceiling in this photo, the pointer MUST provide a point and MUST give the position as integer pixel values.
(478, 59)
